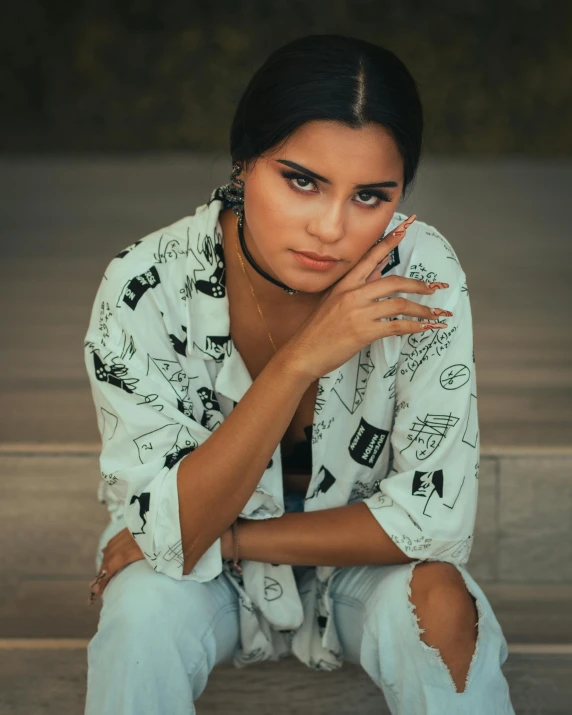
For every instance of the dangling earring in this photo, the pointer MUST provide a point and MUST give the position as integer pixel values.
(233, 194)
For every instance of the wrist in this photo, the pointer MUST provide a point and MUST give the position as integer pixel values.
(291, 360)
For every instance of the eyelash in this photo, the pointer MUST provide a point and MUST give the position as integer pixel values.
(381, 195)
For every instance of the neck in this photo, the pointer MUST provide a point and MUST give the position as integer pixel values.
(267, 293)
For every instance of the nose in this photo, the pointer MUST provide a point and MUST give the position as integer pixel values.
(328, 226)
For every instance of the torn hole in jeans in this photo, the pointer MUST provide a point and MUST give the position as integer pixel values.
(435, 651)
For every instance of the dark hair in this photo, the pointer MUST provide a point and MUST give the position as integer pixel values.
(328, 77)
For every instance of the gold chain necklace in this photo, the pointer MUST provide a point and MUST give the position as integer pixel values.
(252, 289)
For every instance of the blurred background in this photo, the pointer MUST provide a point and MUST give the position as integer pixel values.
(115, 121)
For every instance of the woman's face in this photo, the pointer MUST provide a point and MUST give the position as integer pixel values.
(288, 210)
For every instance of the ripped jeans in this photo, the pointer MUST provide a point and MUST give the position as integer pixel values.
(158, 640)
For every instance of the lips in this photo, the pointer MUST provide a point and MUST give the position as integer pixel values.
(318, 257)
(316, 265)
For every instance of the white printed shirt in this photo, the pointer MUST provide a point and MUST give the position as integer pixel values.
(395, 426)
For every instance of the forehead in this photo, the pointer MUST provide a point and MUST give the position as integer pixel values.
(337, 151)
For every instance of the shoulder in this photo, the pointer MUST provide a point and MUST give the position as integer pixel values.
(149, 280)
(426, 254)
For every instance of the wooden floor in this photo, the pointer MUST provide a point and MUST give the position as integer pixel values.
(64, 219)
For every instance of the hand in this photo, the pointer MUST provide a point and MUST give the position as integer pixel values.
(119, 552)
(348, 316)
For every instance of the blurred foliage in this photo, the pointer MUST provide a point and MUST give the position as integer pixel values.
(114, 75)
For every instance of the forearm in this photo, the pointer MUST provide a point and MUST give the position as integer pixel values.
(216, 480)
(344, 536)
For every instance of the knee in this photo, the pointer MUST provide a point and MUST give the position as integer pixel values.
(439, 582)
(148, 607)
(440, 595)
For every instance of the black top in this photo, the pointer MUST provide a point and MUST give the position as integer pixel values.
(301, 457)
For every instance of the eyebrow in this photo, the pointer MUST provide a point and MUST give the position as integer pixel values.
(299, 167)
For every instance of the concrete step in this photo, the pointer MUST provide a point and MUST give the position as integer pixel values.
(539, 684)
(51, 521)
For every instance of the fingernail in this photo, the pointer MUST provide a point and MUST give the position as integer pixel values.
(433, 326)
(437, 286)
(439, 311)
(410, 220)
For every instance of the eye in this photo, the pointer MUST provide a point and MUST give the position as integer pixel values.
(292, 176)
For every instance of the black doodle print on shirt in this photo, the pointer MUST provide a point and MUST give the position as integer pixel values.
(394, 260)
(367, 443)
(319, 611)
(180, 346)
(212, 416)
(127, 250)
(391, 373)
(128, 348)
(419, 272)
(143, 500)
(320, 400)
(459, 551)
(423, 346)
(412, 520)
(218, 346)
(380, 500)
(320, 428)
(138, 286)
(408, 545)
(211, 262)
(109, 423)
(272, 589)
(357, 388)
(454, 377)
(328, 480)
(471, 434)
(152, 558)
(175, 553)
(109, 477)
(114, 374)
(427, 484)
(428, 433)
(169, 249)
(178, 381)
(170, 443)
(105, 313)
(179, 452)
(361, 491)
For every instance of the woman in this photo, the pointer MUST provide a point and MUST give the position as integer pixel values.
(290, 442)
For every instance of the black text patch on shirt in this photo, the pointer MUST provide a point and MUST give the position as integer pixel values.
(139, 285)
(367, 443)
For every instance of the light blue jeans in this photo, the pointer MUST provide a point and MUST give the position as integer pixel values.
(158, 640)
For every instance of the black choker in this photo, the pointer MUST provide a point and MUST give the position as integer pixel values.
(259, 270)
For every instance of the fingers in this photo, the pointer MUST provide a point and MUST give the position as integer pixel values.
(119, 552)
(375, 289)
(381, 250)
(401, 306)
(406, 327)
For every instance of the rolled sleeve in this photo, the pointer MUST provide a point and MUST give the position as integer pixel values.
(144, 438)
(147, 410)
(427, 502)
